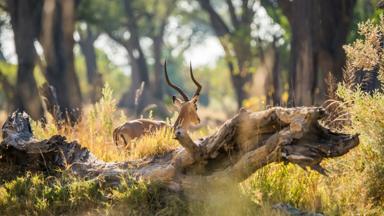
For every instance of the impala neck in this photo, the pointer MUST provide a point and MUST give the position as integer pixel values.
(182, 122)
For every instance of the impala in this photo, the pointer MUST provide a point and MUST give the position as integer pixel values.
(187, 115)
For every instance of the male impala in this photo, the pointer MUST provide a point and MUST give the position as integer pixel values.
(187, 116)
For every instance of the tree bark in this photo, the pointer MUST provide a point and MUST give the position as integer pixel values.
(332, 35)
(242, 145)
(58, 45)
(159, 74)
(276, 75)
(316, 45)
(304, 66)
(25, 20)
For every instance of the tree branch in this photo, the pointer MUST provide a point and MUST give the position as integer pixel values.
(218, 23)
(185, 140)
(232, 13)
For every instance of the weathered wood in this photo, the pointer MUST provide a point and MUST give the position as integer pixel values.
(243, 144)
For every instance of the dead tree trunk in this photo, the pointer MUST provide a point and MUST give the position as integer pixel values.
(242, 145)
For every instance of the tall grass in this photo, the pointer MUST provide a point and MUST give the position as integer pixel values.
(95, 128)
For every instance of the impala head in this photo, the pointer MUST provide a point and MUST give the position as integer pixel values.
(187, 107)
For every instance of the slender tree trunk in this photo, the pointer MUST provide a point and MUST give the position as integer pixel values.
(60, 60)
(25, 20)
(94, 78)
(272, 83)
(239, 83)
(276, 75)
(140, 70)
(159, 77)
(135, 42)
(236, 44)
(128, 98)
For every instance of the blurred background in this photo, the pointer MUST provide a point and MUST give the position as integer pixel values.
(252, 53)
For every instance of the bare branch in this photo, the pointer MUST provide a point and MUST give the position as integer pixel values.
(218, 23)
(232, 13)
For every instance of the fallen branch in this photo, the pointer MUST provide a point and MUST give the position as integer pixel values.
(243, 144)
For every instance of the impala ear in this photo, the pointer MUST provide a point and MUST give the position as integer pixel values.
(176, 101)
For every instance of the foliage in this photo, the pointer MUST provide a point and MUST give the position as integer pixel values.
(364, 10)
(364, 53)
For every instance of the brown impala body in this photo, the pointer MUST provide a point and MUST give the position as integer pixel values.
(187, 116)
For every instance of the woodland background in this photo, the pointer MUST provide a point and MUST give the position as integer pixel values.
(266, 52)
(96, 54)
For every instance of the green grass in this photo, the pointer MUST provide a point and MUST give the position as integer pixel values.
(36, 194)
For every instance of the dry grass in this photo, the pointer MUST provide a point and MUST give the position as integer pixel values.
(95, 128)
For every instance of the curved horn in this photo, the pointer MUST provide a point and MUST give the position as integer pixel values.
(185, 97)
(197, 93)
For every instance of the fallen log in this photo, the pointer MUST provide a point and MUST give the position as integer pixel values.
(243, 144)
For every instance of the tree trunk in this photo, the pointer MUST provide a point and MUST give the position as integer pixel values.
(159, 74)
(236, 45)
(244, 144)
(135, 43)
(137, 58)
(302, 38)
(272, 83)
(130, 97)
(25, 20)
(332, 35)
(94, 78)
(316, 45)
(276, 75)
(58, 49)
(239, 82)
